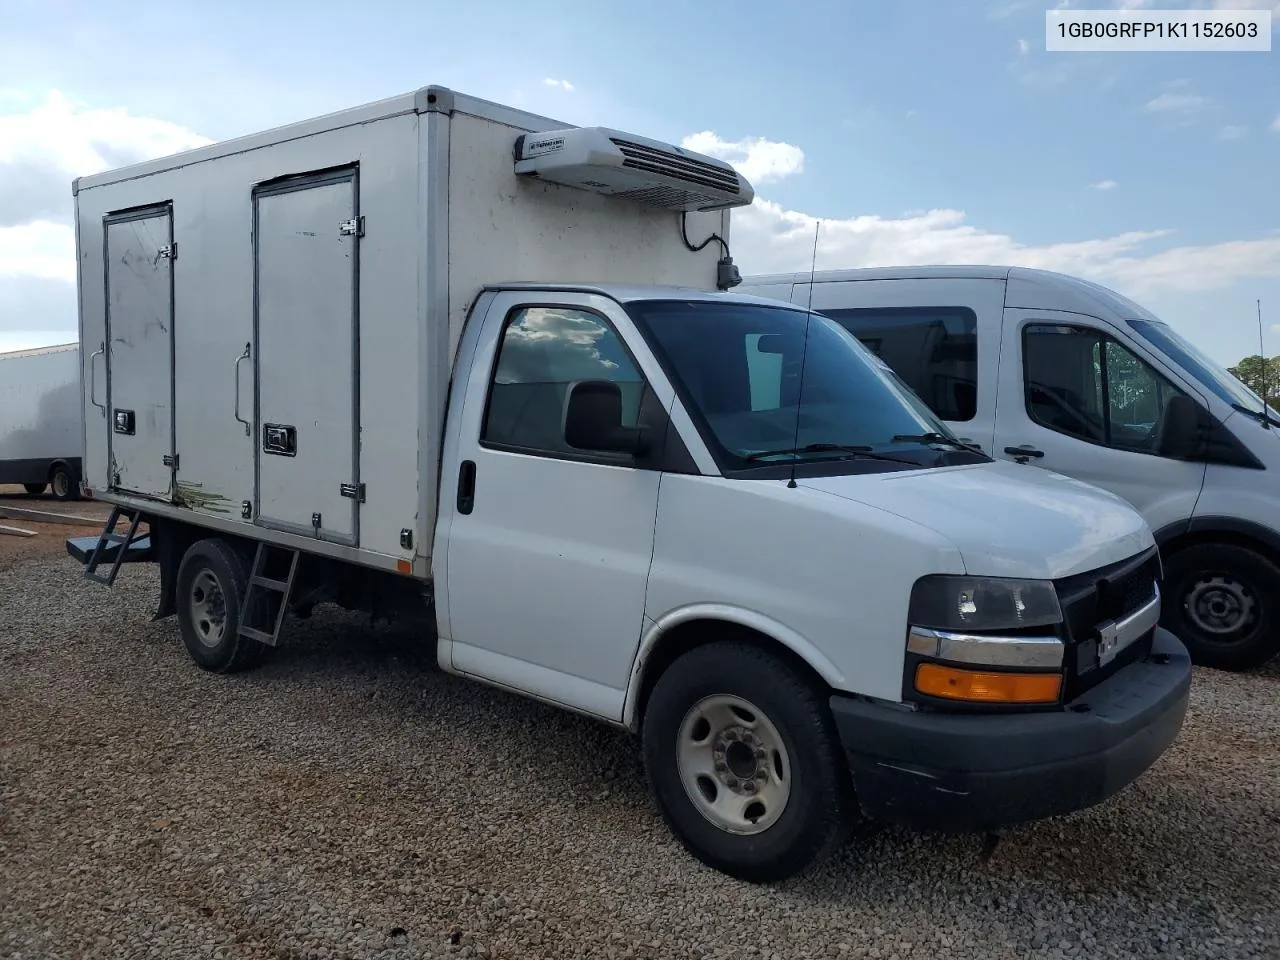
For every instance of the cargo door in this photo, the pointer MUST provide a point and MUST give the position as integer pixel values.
(139, 321)
(306, 235)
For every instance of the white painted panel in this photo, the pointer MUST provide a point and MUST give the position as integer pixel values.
(40, 404)
(505, 229)
(139, 355)
(213, 302)
(305, 359)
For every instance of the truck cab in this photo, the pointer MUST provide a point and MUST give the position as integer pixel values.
(1052, 371)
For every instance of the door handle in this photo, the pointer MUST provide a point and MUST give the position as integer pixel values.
(93, 378)
(1024, 453)
(466, 486)
(243, 356)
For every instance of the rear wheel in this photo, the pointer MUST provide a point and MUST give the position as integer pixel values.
(63, 483)
(744, 762)
(34, 489)
(1221, 603)
(210, 589)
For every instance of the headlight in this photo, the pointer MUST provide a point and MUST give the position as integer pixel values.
(980, 603)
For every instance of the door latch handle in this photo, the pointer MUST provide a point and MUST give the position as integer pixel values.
(466, 486)
(1024, 453)
(243, 356)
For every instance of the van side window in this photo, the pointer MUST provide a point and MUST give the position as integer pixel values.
(1081, 382)
(543, 351)
(934, 350)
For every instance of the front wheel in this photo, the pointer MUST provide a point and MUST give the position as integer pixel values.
(1221, 603)
(745, 763)
(210, 589)
(34, 489)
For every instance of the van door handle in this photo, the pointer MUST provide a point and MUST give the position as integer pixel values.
(466, 486)
(1024, 453)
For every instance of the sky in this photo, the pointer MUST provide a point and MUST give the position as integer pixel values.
(917, 131)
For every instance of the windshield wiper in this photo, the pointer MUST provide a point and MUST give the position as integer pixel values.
(1257, 414)
(935, 438)
(852, 451)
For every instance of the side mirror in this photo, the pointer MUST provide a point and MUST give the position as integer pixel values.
(593, 420)
(1181, 432)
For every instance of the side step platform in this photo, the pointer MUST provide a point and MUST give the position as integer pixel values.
(267, 599)
(112, 547)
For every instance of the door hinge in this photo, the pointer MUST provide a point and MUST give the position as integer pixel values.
(353, 491)
(171, 460)
(352, 228)
(169, 251)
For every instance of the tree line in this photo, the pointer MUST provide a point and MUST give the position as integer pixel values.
(1259, 375)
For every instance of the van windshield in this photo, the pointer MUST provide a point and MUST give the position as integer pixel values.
(1206, 372)
(761, 396)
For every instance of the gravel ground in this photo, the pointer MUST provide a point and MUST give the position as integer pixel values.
(348, 800)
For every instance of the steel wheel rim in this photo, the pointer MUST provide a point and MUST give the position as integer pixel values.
(1220, 606)
(208, 607)
(733, 764)
(61, 484)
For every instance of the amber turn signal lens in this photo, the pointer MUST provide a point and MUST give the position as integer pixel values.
(951, 683)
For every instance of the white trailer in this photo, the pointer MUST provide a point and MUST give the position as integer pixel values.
(413, 358)
(41, 420)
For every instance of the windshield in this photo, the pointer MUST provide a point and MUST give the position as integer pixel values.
(762, 396)
(1210, 375)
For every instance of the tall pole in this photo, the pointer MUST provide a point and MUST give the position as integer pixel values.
(1263, 353)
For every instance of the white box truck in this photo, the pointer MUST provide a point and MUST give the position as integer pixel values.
(438, 357)
(1051, 370)
(41, 429)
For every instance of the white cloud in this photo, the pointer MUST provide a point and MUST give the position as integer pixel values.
(1024, 47)
(1008, 9)
(767, 238)
(43, 249)
(45, 143)
(1232, 132)
(560, 84)
(1177, 103)
(757, 159)
(1103, 185)
(1275, 124)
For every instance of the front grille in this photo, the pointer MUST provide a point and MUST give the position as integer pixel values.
(637, 156)
(1094, 598)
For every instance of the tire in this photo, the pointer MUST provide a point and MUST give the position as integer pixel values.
(35, 489)
(793, 734)
(63, 482)
(210, 589)
(1221, 602)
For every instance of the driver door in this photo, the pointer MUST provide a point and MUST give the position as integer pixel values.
(1077, 399)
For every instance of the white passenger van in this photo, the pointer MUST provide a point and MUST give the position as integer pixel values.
(1054, 371)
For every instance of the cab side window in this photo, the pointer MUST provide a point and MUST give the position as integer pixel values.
(934, 350)
(1082, 383)
(543, 351)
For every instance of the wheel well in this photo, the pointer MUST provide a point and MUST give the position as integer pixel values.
(170, 540)
(1236, 538)
(691, 634)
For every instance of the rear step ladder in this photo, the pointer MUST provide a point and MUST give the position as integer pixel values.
(109, 536)
(257, 597)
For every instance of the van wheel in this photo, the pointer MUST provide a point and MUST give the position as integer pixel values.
(63, 483)
(744, 763)
(210, 588)
(34, 489)
(1221, 603)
